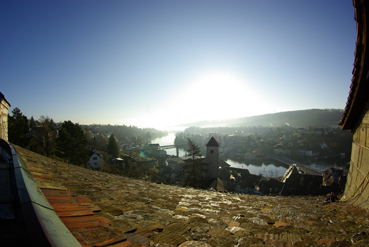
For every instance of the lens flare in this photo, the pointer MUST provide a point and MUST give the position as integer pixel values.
(142, 154)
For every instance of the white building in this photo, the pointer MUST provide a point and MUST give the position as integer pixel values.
(96, 160)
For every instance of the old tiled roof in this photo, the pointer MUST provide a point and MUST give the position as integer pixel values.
(3, 98)
(212, 143)
(93, 151)
(102, 209)
(36, 132)
(359, 89)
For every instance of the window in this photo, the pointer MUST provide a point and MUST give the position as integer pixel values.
(211, 151)
(95, 158)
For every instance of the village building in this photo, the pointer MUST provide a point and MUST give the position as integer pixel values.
(356, 114)
(96, 160)
(175, 162)
(117, 163)
(250, 155)
(4, 107)
(212, 158)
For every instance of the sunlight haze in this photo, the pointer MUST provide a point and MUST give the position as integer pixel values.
(163, 63)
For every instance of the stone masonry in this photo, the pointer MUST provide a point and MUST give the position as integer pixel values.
(4, 106)
(357, 189)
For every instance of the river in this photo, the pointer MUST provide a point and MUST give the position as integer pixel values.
(169, 140)
(265, 169)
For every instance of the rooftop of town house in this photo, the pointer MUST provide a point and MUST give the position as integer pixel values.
(120, 211)
(358, 89)
(212, 142)
(2, 97)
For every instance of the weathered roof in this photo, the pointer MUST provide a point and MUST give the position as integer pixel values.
(93, 151)
(135, 212)
(212, 143)
(291, 170)
(175, 159)
(3, 98)
(359, 88)
(217, 185)
(36, 131)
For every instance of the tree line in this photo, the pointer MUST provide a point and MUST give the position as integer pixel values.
(70, 142)
(65, 141)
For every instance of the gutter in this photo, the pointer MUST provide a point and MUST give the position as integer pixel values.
(43, 224)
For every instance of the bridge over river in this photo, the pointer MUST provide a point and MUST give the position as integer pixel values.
(174, 146)
(302, 167)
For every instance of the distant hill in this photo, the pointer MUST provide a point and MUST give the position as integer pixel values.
(302, 118)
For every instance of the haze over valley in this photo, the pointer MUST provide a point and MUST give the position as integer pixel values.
(158, 64)
(116, 75)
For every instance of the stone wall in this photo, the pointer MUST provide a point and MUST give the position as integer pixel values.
(4, 106)
(356, 114)
(357, 186)
(212, 159)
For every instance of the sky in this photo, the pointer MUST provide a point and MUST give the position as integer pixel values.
(162, 63)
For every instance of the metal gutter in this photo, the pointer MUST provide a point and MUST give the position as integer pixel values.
(43, 224)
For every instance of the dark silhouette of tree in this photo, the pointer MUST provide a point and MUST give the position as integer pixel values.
(194, 169)
(50, 136)
(72, 144)
(32, 123)
(89, 136)
(17, 128)
(113, 147)
(94, 142)
(101, 143)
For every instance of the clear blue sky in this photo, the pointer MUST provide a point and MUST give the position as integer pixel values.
(161, 63)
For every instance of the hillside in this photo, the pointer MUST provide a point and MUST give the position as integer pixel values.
(302, 118)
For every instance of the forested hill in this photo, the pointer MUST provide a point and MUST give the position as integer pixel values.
(302, 118)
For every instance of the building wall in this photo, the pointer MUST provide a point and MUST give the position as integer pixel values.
(98, 162)
(356, 114)
(4, 106)
(212, 159)
(357, 185)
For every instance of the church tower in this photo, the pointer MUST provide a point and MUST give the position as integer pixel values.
(212, 158)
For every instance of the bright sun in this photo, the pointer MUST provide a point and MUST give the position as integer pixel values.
(220, 95)
(210, 96)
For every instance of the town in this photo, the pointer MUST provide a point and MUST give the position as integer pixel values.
(121, 191)
(184, 123)
(328, 146)
(129, 151)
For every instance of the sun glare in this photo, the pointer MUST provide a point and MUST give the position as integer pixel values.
(217, 95)
(210, 96)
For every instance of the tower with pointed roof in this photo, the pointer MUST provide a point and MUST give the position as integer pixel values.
(212, 158)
